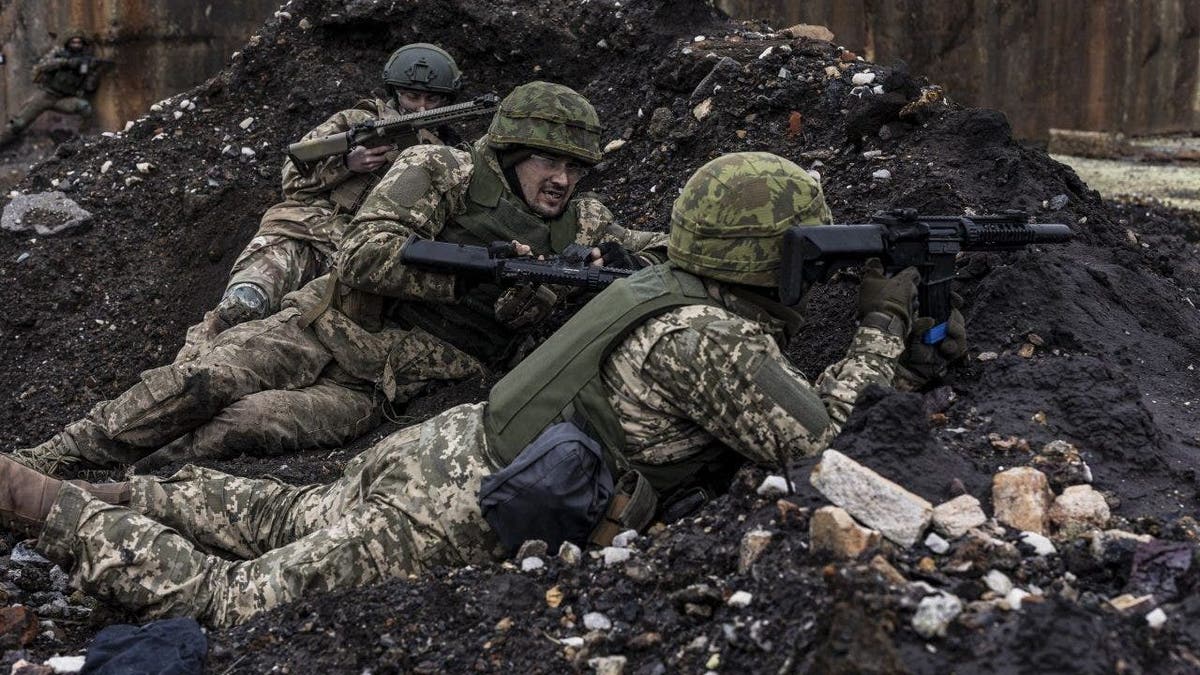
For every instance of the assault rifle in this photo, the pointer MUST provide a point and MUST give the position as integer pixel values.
(900, 239)
(400, 130)
(497, 264)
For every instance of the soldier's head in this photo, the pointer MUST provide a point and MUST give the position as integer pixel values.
(729, 221)
(545, 136)
(421, 77)
(75, 41)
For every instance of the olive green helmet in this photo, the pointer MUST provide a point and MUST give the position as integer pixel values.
(423, 67)
(728, 222)
(550, 117)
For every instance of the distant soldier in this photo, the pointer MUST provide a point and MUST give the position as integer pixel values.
(66, 77)
(297, 237)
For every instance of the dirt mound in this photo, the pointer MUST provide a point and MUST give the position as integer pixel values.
(1094, 343)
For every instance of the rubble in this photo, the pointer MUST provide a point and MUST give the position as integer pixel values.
(896, 513)
(955, 517)
(1078, 509)
(754, 543)
(934, 614)
(833, 531)
(1022, 499)
(45, 213)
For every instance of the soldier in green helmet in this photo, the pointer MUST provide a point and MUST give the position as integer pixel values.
(350, 345)
(663, 376)
(297, 238)
(66, 78)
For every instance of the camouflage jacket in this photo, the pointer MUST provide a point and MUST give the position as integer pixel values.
(54, 73)
(699, 374)
(422, 194)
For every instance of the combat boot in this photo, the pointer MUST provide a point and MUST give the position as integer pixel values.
(27, 495)
(49, 457)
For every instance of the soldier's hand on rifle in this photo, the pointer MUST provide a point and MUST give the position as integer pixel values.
(891, 299)
(365, 160)
(525, 305)
(921, 362)
(612, 254)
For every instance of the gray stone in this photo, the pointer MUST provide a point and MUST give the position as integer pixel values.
(624, 539)
(877, 502)
(608, 665)
(753, 544)
(934, 614)
(998, 582)
(1022, 498)
(532, 548)
(532, 563)
(596, 621)
(954, 518)
(1079, 508)
(569, 553)
(45, 213)
(936, 544)
(832, 530)
(613, 555)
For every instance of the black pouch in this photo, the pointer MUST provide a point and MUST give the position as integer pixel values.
(556, 490)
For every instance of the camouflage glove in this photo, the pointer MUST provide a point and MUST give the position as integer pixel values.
(887, 303)
(922, 363)
(525, 305)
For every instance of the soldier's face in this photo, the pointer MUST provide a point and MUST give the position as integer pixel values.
(547, 182)
(75, 44)
(419, 101)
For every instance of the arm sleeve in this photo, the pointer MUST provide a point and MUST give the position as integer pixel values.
(48, 64)
(598, 226)
(731, 379)
(320, 178)
(421, 191)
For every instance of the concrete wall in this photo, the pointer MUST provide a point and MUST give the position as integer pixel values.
(161, 46)
(1103, 65)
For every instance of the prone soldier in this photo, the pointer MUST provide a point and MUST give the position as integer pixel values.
(663, 374)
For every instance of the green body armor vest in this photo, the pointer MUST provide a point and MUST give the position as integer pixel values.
(560, 381)
(66, 81)
(493, 213)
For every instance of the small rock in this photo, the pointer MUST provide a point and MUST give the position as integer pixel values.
(177, 114)
(936, 544)
(863, 78)
(532, 563)
(833, 531)
(662, 120)
(625, 538)
(613, 555)
(987, 356)
(569, 553)
(64, 665)
(888, 571)
(1026, 351)
(832, 72)
(739, 599)
(773, 486)
(881, 174)
(955, 517)
(878, 91)
(998, 582)
(702, 109)
(18, 626)
(1112, 545)
(574, 641)
(156, 107)
(766, 52)
(184, 103)
(45, 213)
(784, 73)
(1058, 201)
(23, 667)
(1079, 508)
(877, 502)
(753, 544)
(608, 665)
(614, 145)
(1127, 601)
(1021, 497)
(144, 167)
(934, 614)
(532, 548)
(1063, 465)
(132, 180)
(106, 166)
(647, 640)
(810, 31)
(247, 152)
(305, 24)
(245, 124)
(596, 621)
(713, 662)
(1040, 544)
(1014, 598)
(872, 154)
(1156, 618)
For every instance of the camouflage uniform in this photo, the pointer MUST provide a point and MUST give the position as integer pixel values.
(679, 382)
(699, 374)
(318, 373)
(61, 87)
(297, 237)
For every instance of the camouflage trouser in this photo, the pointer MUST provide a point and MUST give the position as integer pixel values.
(262, 387)
(404, 505)
(277, 265)
(40, 102)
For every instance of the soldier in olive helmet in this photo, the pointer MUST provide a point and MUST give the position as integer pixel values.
(663, 375)
(66, 77)
(298, 237)
(347, 346)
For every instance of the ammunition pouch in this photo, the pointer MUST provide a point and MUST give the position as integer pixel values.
(632, 507)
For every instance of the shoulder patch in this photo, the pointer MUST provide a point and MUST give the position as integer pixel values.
(797, 400)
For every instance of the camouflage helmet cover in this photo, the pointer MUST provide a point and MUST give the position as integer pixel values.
(73, 33)
(550, 117)
(728, 222)
(423, 67)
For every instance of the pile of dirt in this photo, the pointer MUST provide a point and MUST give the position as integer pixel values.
(1094, 343)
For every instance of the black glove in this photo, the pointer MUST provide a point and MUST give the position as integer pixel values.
(617, 256)
(922, 363)
(893, 297)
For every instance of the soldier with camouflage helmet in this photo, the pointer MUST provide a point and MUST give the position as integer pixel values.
(66, 77)
(297, 238)
(672, 371)
(352, 344)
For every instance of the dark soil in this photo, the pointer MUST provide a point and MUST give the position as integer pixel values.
(1112, 318)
